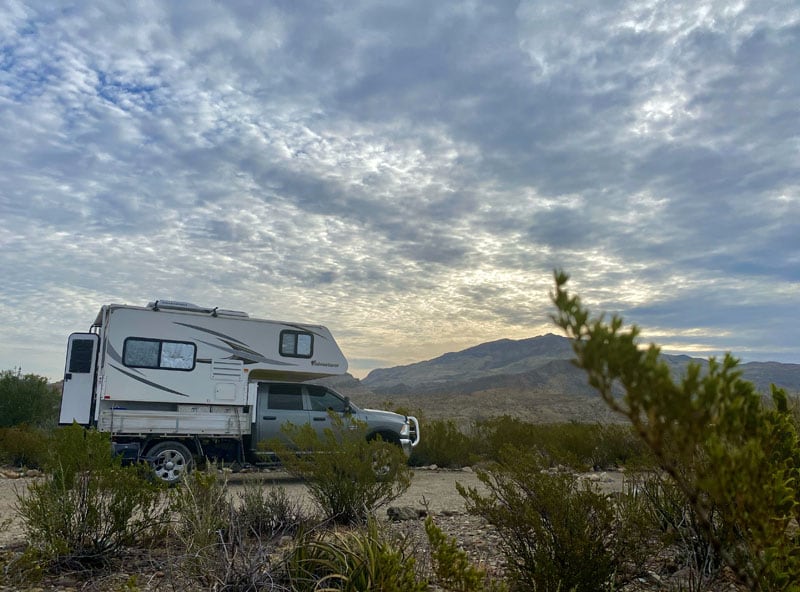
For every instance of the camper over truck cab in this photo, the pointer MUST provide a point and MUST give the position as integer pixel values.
(172, 380)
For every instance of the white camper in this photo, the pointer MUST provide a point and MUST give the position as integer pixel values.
(171, 380)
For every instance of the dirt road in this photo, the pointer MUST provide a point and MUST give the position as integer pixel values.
(432, 487)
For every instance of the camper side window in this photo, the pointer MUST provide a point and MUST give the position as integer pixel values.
(296, 344)
(155, 353)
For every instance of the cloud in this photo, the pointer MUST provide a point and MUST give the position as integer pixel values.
(407, 173)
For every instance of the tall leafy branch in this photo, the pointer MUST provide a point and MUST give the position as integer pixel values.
(733, 454)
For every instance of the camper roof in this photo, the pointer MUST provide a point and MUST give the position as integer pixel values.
(189, 307)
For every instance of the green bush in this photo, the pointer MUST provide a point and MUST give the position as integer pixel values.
(667, 512)
(352, 561)
(266, 511)
(347, 476)
(452, 567)
(201, 520)
(88, 507)
(27, 399)
(555, 533)
(24, 446)
(225, 545)
(579, 446)
(443, 445)
(618, 445)
(735, 459)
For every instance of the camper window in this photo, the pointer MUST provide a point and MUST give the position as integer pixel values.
(155, 353)
(296, 344)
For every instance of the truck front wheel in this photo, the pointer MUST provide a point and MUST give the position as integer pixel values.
(170, 461)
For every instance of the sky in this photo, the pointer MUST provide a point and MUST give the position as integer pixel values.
(408, 173)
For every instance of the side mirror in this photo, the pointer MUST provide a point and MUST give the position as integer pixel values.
(347, 408)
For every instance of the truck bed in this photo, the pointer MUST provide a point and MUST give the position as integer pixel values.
(230, 422)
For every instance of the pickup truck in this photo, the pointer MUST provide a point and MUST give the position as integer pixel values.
(279, 403)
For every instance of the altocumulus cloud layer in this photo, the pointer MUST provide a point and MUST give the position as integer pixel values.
(408, 173)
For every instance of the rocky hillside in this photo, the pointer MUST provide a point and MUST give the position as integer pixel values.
(538, 362)
(533, 379)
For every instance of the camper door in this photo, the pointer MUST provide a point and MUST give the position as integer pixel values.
(76, 398)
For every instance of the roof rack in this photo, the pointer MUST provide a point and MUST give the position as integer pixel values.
(189, 307)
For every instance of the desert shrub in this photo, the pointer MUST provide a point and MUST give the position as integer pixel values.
(27, 399)
(224, 545)
(444, 445)
(618, 445)
(23, 446)
(493, 435)
(576, 445)
(346, 475)
(202, 517)
(266, 511)
(352, 561)
(89, 506)
(735, 459)
(451, 566)
(669, 514)
(556, 534)
(497, 434)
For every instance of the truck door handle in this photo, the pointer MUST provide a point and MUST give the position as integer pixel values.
(320, 418)
(269, 418)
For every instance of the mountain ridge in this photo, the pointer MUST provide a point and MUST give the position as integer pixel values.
(531, 379)
(542, 362)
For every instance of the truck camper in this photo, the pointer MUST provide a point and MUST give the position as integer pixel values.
(171, 381)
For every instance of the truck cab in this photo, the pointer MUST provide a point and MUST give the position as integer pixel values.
(280, 403)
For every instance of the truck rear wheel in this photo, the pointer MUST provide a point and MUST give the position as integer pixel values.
(170, 461)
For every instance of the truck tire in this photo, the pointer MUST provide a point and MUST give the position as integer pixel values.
(170, 461)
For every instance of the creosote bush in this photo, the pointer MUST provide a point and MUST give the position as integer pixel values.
(451, 566)
(88, 507)
(24, 446)
(27, 399)
(201, 520)
(266, 511)
(346, 475)
(664, 510)
(556, 533)
(226, 543)
(580, 446)
(735, 459)
(444, 445)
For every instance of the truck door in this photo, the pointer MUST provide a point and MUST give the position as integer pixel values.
(323, 402)
(76, 396)
(277, 405)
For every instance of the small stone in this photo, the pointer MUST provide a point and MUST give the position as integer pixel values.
(466, 469)
(402, 513)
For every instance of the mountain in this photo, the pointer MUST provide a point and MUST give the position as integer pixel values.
(531, 379)
(479, 364)
(540, 363)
